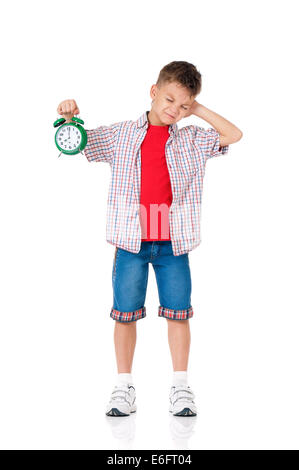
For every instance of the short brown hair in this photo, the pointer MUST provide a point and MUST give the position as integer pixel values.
(184, 73)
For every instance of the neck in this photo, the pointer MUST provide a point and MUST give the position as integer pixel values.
(153, 119)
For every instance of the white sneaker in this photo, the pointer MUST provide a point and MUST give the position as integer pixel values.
(122, 401)
(181, 400)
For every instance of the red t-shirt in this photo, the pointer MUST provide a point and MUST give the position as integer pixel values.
(155, 185)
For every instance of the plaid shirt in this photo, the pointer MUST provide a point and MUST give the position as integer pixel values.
(187, 151)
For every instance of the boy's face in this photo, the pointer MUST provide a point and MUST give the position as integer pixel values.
(171, 102)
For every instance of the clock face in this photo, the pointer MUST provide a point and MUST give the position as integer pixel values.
(68, 137)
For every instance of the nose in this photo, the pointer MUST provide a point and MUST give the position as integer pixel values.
(173, 112)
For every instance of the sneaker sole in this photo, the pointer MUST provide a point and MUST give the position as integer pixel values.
(184, 412)
(116, 412)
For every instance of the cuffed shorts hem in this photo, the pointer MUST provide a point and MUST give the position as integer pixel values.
(128, 316)
(175, 314)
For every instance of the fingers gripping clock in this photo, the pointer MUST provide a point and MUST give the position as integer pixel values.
(70, 137)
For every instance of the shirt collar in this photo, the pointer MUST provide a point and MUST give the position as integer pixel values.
(143, 121)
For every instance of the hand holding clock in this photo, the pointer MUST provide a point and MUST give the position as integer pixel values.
(68, 109)
(70, 137)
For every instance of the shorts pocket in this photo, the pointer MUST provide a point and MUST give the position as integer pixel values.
(114, 260)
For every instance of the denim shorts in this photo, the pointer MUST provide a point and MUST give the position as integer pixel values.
(130, 277)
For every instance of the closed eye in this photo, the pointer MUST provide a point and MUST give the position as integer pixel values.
(172, 100)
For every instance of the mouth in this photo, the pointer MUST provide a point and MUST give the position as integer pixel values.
(172, 117)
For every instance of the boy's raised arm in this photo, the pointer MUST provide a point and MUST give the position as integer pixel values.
(229, 133)
(215, 140)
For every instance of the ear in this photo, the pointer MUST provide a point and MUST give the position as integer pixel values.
(153, 91)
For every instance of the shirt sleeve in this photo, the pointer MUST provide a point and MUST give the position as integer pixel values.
(101, 143)
(209, 142)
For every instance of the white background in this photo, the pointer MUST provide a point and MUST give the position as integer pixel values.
(56, 337)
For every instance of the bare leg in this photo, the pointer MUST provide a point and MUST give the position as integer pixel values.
(124, 341)
(179, 340)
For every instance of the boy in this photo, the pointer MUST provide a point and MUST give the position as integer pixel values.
(157, 170)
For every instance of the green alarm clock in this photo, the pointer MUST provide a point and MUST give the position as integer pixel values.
(70, 137)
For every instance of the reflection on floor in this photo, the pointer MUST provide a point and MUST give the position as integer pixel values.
(124, 428)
